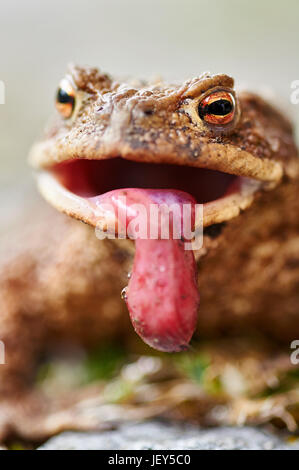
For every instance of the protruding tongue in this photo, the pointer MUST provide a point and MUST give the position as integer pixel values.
(162, 295)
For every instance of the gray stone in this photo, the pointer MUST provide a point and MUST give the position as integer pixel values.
(157, 435)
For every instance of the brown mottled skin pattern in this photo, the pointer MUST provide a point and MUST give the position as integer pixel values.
(258, 289)
(64, 284)
(154, 122)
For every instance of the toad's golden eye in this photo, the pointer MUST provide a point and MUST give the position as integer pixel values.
(65, 99)
(218, 108)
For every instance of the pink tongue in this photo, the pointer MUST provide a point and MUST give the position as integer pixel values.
(162, 295)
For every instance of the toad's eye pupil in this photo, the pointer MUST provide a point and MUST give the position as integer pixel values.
(64, 98)
(220, 107)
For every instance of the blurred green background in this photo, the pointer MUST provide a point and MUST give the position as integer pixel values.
(256, 42)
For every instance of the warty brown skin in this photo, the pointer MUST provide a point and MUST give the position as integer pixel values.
(157, 122)
(250, 281)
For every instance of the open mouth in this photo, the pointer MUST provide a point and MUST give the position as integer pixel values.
(90, 178)
(73, 185)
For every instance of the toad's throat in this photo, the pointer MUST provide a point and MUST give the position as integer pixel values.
(90, 178)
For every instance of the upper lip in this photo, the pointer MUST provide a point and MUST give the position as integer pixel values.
(226, 158)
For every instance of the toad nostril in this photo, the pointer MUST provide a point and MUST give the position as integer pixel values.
(214, 230)
(148, 112)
